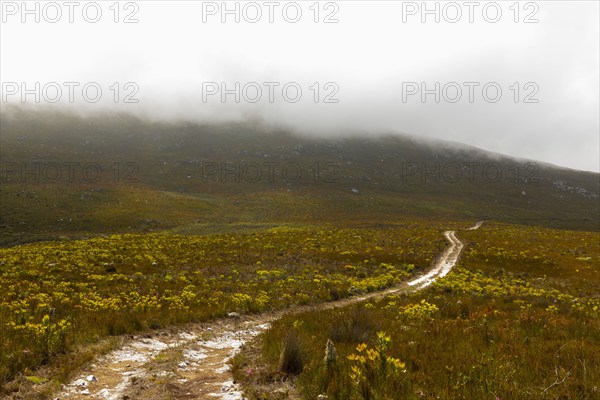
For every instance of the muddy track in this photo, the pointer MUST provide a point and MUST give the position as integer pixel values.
(137, 369)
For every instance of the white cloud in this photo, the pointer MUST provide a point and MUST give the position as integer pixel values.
(170, 53)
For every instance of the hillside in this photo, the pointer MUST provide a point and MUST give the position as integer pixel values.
(279, 240)
(73, 176)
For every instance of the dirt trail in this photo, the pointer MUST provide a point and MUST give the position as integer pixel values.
(203, 350)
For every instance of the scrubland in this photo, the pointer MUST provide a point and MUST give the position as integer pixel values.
(518, 318)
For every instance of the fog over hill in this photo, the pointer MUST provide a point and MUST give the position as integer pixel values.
(235, 171)
(516, 80)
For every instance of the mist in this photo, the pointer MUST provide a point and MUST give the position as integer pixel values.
(361, 67)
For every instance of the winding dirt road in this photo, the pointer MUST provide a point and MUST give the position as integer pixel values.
(193, 360)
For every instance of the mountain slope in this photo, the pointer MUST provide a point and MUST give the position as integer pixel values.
(64, 174)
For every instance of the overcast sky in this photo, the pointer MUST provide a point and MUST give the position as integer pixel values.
(370, 67)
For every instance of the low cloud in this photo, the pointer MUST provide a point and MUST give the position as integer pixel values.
(359, 74)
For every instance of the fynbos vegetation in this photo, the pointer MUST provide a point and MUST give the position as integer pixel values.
(519, 318)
